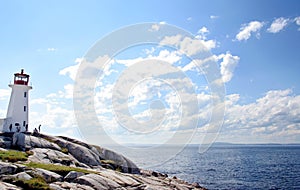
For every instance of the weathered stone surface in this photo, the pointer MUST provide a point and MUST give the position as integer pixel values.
(121, 179)
(44, 155)
(81, 153)
(7, 186)
(71, 186)
(22, 176)
(5, 142)
(97, 182)
(18, 141)
(47, 175)
(72, 175)
(126, 165)
(36, 142)
(7, 168)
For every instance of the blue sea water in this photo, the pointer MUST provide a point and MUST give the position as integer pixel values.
(231, 166)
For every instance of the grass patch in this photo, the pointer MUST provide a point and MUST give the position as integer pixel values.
(64, 150)
(13, 155)
(62, 170)
(108, 162)
(35, 183)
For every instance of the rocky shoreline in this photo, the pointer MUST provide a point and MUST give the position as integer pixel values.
(61, 163)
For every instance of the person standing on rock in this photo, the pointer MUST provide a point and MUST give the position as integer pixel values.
(40, 128)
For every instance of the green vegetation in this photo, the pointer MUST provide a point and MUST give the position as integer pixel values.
(108, 162)
(13, 155)
(112, 165)
(35, 183)
(63, 170)
(64, 150)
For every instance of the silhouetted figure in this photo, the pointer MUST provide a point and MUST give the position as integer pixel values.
(26, 128)
(40, 128)
(35, 132)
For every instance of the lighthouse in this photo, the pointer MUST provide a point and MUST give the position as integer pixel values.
(17, 112)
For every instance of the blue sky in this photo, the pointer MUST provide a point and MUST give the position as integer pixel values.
(255, 42)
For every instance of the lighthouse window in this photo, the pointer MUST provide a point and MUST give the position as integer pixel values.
(25, 94)
(24, 122)
(24, 108)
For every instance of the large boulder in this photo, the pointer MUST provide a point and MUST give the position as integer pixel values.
(47, 175)
(81, 153)
(92, 155)
(97, 182)
(66, 185)
(7, 168)
(48, 156)
(73, 175)
(5, 142)
(36, 142)
(121, 178)
(7, 186)
(18, 141)
(22, 176)
(124, 163)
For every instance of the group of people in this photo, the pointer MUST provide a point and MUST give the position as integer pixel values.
(36, 130)
(18, 128)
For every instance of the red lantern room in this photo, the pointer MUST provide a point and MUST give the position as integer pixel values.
(21, 78)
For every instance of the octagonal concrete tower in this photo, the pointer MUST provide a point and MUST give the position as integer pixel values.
(17, 112)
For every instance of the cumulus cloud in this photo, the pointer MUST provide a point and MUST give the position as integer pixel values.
(278, 25)
(188, 45)
(213, 17)
(277, 113)
(156, 27)
(228, 64)
(202, 32)
(247, 29)
(297, 21)
(71, 71)
(51, 49)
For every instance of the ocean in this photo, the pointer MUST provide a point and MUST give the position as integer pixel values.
(229, 166)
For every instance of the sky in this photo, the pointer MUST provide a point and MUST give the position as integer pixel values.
(255, 45)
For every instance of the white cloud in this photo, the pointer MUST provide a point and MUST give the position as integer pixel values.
(156, 27)
(52, 49)
(247, 29)
(228, 65)
(297, 21)
(278, 25)
(203, 32)
(189, 19)
(227, 61)
(209, 44)
(213, 17)
(71, 71)
(164, 55)
(273, 118)
(188, 45)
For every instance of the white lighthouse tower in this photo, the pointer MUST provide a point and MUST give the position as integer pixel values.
(17, 112)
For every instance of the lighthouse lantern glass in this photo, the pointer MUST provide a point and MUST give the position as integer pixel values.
(21, 79)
